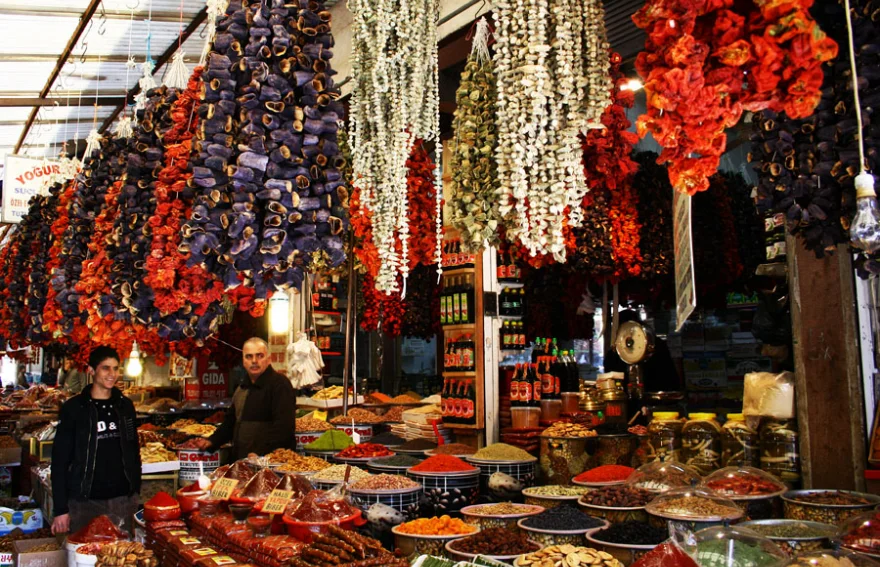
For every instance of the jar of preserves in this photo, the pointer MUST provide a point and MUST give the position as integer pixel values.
(664, 433)
(593, 408)
(740, 444)
(780, 450)
(701, 443)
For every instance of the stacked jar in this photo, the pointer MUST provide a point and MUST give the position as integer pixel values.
(701, 443)
(740, 444)
(780, 451)
(664, 433)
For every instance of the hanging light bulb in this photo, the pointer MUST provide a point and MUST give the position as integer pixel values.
(864, 233)
(133, 366)
(279, 313)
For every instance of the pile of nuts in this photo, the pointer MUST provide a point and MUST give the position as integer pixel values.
(495, 541)
(695, 506)
(51, 546)
(386, 482)
(126, 554)
(618, 497)
(311, 424)
(359, 416)
(293, 462)
(568, 555)
(556, 490)
(560, 429)
(502, 509)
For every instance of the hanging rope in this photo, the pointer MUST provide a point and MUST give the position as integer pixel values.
(215, 9)
(864, 181)
(93, 140)
(178, 75)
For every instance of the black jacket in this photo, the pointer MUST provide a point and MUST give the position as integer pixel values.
(267, 420)
(75, 447)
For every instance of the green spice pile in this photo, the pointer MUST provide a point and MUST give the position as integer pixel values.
(397, 461)
(503, 452)
(733, 553)
(336, 473)
(556, 490)
(792, 529)
(332, 440)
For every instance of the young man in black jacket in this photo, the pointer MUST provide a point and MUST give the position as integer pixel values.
(96, 461)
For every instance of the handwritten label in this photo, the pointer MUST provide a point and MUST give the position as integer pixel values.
(190, 541)
(205, 551)
(223, 488)
(320, 415)
(277, 501)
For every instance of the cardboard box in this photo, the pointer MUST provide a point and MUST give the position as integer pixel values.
(42, 559)
(706, 371)
(10, 456)
(27, 520)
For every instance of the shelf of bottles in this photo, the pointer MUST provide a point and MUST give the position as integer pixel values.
(551, 373)
(511, 304)
(461, 315)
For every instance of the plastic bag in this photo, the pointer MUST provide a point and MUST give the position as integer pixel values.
(769, 395)
(666, 555)
(320, 506)
(259, 486)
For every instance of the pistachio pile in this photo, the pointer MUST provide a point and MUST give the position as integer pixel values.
(474, 181)
(568, 555)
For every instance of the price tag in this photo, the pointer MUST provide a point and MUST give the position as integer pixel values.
(223, 488)
(320, 415)
(277, 501)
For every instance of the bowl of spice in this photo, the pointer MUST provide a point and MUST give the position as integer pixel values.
(335, 474)
(416, 447)
(559, 525)
(394, 464)
(605, 475)
(568, 555)
(497, 543)
(826, 506)
(862, 533)
(628, 541)
(755, 491)
(457, 449)
(692, 509)
(617, 504)
(501, 452)
(507, 459)
(661, 476)
(397, 491)
(735, 547)
(362, 453)
(794, 536)
(449, 484)
(498, 515)
(553, 495)
(429, 536)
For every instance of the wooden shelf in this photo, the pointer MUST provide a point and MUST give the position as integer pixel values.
(458, 270)
(462, 426)
(466, 374)
(460, 327)
(330, 353)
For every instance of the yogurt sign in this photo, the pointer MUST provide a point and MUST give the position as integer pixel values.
(23, 178)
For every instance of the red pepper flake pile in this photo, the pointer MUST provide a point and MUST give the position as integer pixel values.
(364, 451)
(442, 463)
(605, 473)
(704, 63)
(744, 485)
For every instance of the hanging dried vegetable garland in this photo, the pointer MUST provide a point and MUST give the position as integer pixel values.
(651, 183)
(472, 160)
(693, 65)
(16, 275)
(52, 315)
(39, 279)
(749, 225)
(395, 101)
(542, 107)
(608, 240)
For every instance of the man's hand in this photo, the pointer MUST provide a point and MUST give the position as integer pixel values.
(61, 524)
(203, 443)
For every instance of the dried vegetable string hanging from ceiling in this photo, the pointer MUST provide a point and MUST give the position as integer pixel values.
(693, 65)
(395, 101)
(52, 310)
(16, 273)
(472, 159)
(38, 286)
(540, 170)
(651, 183)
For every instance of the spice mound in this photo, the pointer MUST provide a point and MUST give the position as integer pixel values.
(694, 507)
(358, 415)
(436, 526)
(454, 449)
(561, 429)
(442, 463)
(502, 509)
(502, 452)
(311, 424)
(293, 462)
(618, 497)
(632, 533)
(733, 553)
(100, 529)
(386, 482)
(404, 399)
(495, 541)
(364, 451)
(331, 440)
(397, 461)
(562, 518)
(794, 529)
(395, 414)
(833, 498)
(556, 490)
(336, 473)
(388, 439)
(606, 473)
(568, 555)
(744, 485)
(420, 444)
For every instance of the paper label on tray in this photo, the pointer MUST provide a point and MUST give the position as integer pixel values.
(205, 551)
(224, 560)
(277, 501)
(223, 488)
(178, 532)
(190, 541)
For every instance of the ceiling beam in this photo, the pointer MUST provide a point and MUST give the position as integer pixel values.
(42, 101)
(162, 60)
(59, 64)
(74, 13)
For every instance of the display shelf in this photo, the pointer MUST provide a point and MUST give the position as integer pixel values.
(327, 404)
(511, 317)
(458, 270)
(460, 326)
(460, 374)
(462, 425)
(513, 285)
(330, 353)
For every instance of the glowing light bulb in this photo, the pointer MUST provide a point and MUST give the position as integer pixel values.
(133, 366)
(631, 85)
(279, 313)
(864, 233)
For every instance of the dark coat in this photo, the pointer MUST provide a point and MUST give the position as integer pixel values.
(75, 448)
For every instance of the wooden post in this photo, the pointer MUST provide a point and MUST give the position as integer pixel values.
(830, 404)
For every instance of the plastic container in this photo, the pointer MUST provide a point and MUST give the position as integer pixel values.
(685, 516)
(664, 434)
(734, 546)
(570, 402)
(660, 477)
(740, 444)
(780, 451)
(306, 531)
(71, 548)
(550, 409)
(862, 533)
(832, 559)
(509, 521)
(701, 443)
(794, 544)
(362, 429)
(524, 418)
(447, 493)
(753, 490)
(85, 560)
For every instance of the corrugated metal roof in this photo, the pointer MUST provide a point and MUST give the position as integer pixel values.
(624, 36)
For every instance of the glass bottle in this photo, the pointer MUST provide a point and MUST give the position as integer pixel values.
(740, 444)
(664, 434)
(701, 443)
(780, 451)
